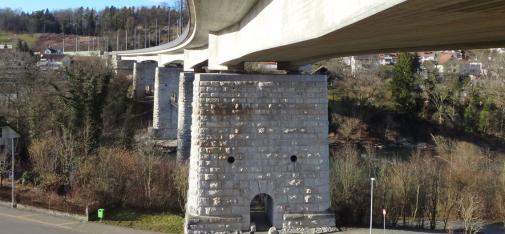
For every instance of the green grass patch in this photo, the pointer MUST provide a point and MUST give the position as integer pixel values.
(12, 38)
(160, 222)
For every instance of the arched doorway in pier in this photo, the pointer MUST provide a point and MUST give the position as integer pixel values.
(262, 212)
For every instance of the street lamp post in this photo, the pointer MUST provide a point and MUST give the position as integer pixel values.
(384, 221)
(12, 171)
(371, 202)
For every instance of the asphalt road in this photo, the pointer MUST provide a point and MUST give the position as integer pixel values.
(14, 221)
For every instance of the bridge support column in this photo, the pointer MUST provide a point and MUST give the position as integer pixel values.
(184, 118)
(258, 135)
(166, 88)
(143, 78)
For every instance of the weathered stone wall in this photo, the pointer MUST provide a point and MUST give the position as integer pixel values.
(184, 118)
(166, 88)
(262, 121)
(143, 78)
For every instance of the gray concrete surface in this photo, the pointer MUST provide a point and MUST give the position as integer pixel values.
(29, 222)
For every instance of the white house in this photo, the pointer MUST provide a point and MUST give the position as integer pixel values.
(474, 69)
(5, 47)
(7, 133)
(387, 59)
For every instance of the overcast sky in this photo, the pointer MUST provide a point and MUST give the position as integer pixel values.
(33, 5)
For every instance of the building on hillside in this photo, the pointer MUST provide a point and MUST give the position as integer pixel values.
(388, 59)
(472, 69)
(53, 61)
(8, 136)
(322, 70)
(498, 50)
(6, 47)
(366, 62)
(426, 56)
(51, 51)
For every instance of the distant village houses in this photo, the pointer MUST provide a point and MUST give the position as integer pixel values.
(6, 47)
(52, 59)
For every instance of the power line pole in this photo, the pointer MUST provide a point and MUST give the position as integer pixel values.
(145, 35)
(180, 17)
(168, 33)
(126, 42)
(117, 41)
(156, 31)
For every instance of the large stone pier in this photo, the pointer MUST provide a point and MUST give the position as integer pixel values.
(184, 118)
(166, 88)
(143, 78)
(259, 153)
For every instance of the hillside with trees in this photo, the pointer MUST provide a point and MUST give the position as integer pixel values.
(136, 26)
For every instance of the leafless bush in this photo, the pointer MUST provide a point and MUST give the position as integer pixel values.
(470, 211)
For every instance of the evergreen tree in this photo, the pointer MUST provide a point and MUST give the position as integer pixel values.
(84, 102)
(484, 117)
(471, 114)
(405, 85)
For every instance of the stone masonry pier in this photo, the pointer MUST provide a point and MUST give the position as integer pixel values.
(143, 78)
(258, 135)
(184, 119)
(166, 88)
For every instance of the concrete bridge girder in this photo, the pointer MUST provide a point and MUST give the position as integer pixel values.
(166, 59)
(193, 57)
(295, 24)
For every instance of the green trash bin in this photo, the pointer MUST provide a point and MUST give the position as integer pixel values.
(101, 213)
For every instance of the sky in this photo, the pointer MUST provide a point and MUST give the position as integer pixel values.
(33, 5)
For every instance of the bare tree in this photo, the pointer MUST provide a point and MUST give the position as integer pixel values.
(469, 207)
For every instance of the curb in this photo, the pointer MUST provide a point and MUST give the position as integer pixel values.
(46, 211)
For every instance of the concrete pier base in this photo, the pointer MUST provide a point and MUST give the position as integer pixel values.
(166, 88)
(258, 139)
(143, 78)
(184, 118)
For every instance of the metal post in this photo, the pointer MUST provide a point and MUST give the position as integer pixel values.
(126, 41)
(13, 188)
(180, 17)
(156, 30)
(117, 41)
(384, 221)
(63, 51)
(371, 203)
(168, 34)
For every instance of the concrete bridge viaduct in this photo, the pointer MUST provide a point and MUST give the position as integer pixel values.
(261, 136)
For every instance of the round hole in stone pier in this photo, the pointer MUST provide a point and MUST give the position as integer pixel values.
(293, 158)
(231, 159)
